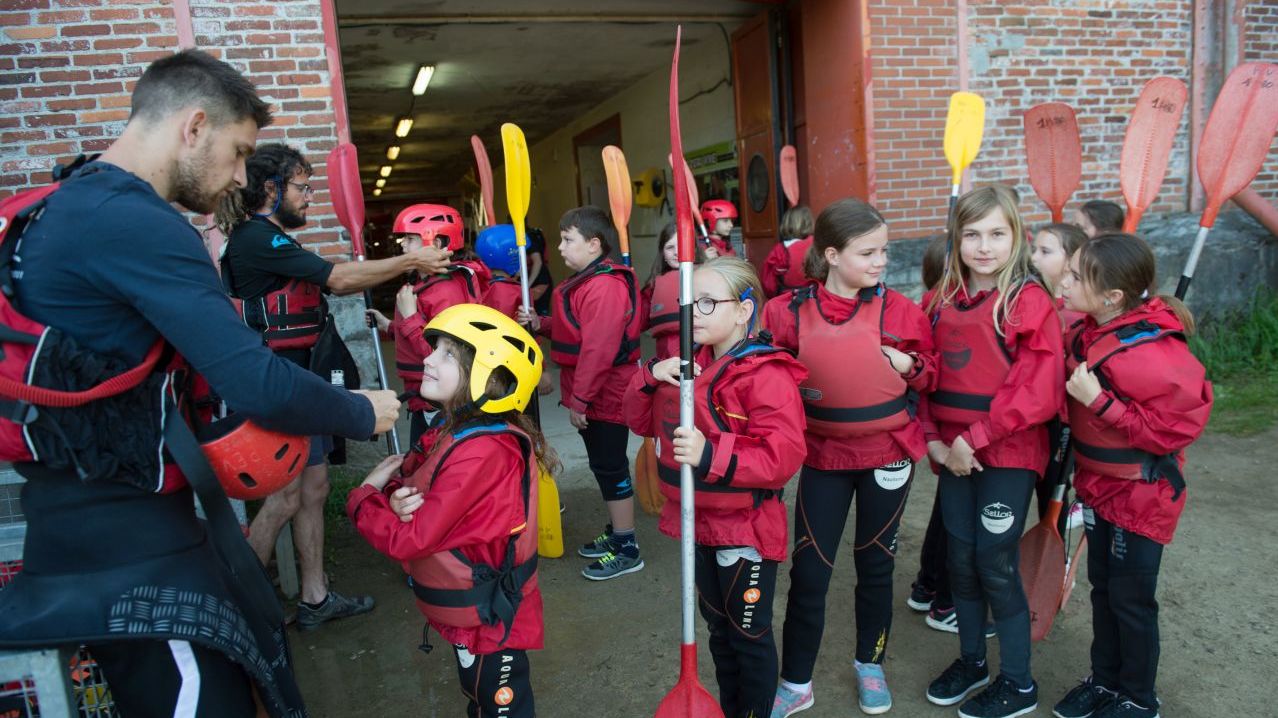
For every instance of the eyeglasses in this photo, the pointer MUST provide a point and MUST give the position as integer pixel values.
(305, 189)
(707, 305)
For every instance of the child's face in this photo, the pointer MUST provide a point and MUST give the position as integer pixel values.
(722, 321)
(1078, 294)
(986, 244)
(441, 372)
(410, 242)
(861, 262)
(1079, 219)
(670, 251)
(1048, 257)
(577, 251)
(722, 226)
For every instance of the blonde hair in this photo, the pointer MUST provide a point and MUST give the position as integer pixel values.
(743, 283)
(971, 208)
(796, 223)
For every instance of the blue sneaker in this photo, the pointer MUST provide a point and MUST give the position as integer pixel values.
(872, 690)
(788, 702)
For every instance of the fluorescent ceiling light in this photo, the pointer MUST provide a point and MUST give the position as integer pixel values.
(392, 152)
(402, 126)
(385, 171)
(377, 192)
(423, 79)
(381, 183)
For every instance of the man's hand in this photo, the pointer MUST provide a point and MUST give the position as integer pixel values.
(385, 407)
(428, 260)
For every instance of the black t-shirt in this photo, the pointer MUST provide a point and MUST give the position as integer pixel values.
(261, 258)
(537, 244)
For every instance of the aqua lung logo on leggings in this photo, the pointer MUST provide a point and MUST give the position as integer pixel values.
(505, 695)
(997, 518)
(751, 598)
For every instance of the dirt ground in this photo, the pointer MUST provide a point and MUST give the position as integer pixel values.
(612, 647)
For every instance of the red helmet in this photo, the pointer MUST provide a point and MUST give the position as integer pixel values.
(714, 209)
(431, 221)
(251, 462)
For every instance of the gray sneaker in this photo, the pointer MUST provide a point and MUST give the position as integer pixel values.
(612, 565)
(335, 606)
(600, 546)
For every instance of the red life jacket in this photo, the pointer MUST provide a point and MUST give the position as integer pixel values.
(1106, 449)
(706, 417)
(795, 252)
(505, 295)
(451, 589)
(663, 309)
(291, 317)
(407, 363)
(974, 361)
(851, 389)
(565, 329)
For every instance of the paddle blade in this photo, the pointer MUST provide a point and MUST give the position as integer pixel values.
(683, 213)
(1238, 134)
(518, 177)
(1148, 145)
(550, 531)
(1054, 153)
(485, 170)
(347, 192)
(964, 127)
(688, 699)
(620, 193)
(1043, 571)
(790, 174)
(647, 483)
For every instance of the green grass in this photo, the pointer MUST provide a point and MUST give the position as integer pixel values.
(1240, 353)
(342, 479)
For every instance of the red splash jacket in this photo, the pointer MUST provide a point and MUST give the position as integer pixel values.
(905, 328)
(471, 506)
(661, 309)
(504, 295)
(1142, 418)
(997, 392)
(783, 267)
(465, 282)
(748, 407)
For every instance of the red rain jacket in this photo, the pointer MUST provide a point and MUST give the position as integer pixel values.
(783, 267)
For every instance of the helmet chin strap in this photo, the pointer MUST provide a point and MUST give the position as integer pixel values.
(279, 194)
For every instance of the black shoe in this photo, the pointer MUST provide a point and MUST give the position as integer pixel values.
(1083, 700)
(920, 597)
(1124, 707)
(957, 681)
(334, 606)
(600, 546)
(1003, 699)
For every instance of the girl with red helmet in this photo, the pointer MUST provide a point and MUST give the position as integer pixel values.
(1001, 380)
(746, 445)
(862, 439)
(1131, 427)
(422, 298)
(718, 215)
(460, 510)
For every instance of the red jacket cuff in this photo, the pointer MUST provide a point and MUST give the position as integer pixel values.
(722, 456)
(976, 436)
(577, 404)
(357, 496)
(1107, 407)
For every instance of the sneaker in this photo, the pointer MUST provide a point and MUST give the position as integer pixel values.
(946, 619)
(1124, 707)
(1003, 699)
(612, 565)
(599, 546)
(1075, 520)
(788, 702)
(872, 690)
(335, 606)
(957, 681)
(1083, 700)
(920, 597)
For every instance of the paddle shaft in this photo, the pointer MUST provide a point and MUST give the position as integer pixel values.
(392, 436)
(1182, 287)
(687, 510)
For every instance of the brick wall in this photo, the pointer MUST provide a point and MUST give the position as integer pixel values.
(67, 68)
(1260, 44)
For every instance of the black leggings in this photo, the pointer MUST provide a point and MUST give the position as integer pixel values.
(985, 515)
(154, 679)
(736, 602)
(933, 573)
(1123, 568)
(606, 452)
(495, 684)
(820, 514)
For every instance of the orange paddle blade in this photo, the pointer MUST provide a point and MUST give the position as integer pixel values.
(688, 699)
(347, 192)
(485, 169)
(1043, 569)
(1238, 134)
(1148, 144)
(647, 483)
(620, 193)
(1055, 154)
(790, 175)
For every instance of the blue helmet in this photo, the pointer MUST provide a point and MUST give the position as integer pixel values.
(496, 248)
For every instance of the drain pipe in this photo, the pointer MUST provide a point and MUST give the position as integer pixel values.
(1262, 209)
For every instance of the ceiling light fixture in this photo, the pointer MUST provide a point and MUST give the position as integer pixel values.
(377, 192)
(385, 171)
(423, 79)
(392, 152)
(381, 183)
(402, 126)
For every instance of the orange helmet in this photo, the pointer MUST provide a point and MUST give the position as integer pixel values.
(430, 222)
(251, 462)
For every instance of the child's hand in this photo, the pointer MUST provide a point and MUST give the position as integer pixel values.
(903, 363)
(528, 319)
(938, 452)
(373, 317)
(711, 251)
(544, 385)
(406, 301)
(667, 370)
(578, 420)
(404, 501)
(688, 445)
(1083, 385)
(382, 473)
(962, 459)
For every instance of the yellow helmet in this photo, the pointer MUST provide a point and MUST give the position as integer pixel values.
(498, 341)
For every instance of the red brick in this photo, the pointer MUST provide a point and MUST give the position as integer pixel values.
(85, 30)
(79, 103)
(47, 120)
(30, 33)
(45, 90)
(52, 148)
(104, 116)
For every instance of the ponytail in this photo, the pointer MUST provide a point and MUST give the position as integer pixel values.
(837, 225)
(1126, 263)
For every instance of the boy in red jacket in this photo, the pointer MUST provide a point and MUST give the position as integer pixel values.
(595, 321)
